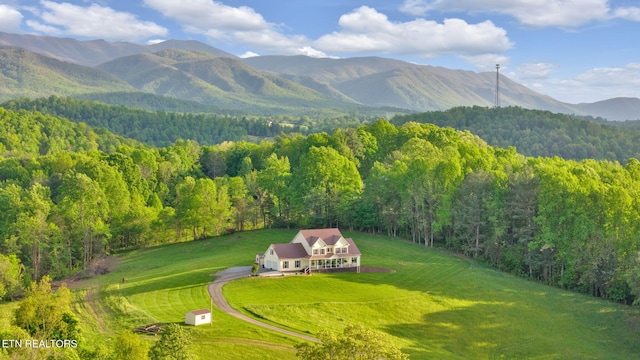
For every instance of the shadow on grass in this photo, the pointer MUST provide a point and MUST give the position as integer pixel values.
(507, 317)
(453, 333)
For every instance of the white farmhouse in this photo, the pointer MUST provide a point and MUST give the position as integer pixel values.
(197, 317)
(312, 250)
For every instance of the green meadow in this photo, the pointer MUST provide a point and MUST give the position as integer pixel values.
(434, 305)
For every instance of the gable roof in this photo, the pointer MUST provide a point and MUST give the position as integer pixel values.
(329, 236)
(353, 249)
(290, 251)
(200, 312)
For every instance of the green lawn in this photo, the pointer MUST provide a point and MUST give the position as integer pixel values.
(439, 306)
(434, 305)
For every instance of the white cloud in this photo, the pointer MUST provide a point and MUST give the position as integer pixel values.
(248, 54)
(487, 62)
(199, 16)
(237, 25)
(367, 30)
(628, 13)
(592, 85)
(628, 75)
(94, 21)
(539, 13)
(155, 41)
(10, 19)
(416, 7)
(535, 70)
(311, 52)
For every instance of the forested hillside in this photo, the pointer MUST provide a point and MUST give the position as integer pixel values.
(539, 133)
(573, 224)
(162, 128)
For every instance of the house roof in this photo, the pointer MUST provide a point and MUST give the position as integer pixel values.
(200, 312)
(290, 251)
(352, 249)
(329, 236)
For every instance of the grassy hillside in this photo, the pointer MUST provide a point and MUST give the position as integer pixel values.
(438, 306)
(434, 305)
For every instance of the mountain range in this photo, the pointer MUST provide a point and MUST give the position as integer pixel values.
(36, 66)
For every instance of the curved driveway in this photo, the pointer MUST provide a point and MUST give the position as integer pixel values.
(215, 291)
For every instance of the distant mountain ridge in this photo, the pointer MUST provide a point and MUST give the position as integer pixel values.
(95, 52)
(24, 73)
(223, 81)
(191, 70)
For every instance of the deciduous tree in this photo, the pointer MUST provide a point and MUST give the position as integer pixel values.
(355, 343)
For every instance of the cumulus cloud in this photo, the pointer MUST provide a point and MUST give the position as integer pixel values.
(94, 21)
(10, 19)
(199, 16)
(367, 30)
(241, 24)
(540, 13)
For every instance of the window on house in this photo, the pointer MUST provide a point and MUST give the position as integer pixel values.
(329, 250)
(285, 264)
(315, 251)
(354, 260)
(321, 251)
(271, 252)
(344, 250)
(297, 263)
(203, 317)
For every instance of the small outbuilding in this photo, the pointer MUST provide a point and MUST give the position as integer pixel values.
(197, 317)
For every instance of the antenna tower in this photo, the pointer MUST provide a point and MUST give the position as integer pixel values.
(497, 85)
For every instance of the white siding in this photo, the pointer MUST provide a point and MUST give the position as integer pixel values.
(271, 260)
(192, 319)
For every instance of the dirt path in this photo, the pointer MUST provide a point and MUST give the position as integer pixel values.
(92, 301)
(215, 291)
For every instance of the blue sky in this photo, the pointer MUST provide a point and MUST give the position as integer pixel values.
(573, 50)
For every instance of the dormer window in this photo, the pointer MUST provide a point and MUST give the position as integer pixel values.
(344, 250)
(329, 250)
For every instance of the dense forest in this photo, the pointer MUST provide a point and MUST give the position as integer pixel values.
(163, 128)
(71, 194)
(540, 133)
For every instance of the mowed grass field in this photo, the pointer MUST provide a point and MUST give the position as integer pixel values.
(440, 306)
(433, 306)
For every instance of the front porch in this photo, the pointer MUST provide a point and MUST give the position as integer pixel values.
(335, 263)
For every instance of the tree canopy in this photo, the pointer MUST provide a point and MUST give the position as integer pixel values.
(355, 342)
(567, 223)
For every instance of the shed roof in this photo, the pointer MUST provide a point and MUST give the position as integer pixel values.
(200, 312)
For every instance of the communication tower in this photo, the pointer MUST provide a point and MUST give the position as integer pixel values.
(497, 85)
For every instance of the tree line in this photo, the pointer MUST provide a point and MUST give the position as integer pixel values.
(541, 133)
(566, 223)
(162, 128)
